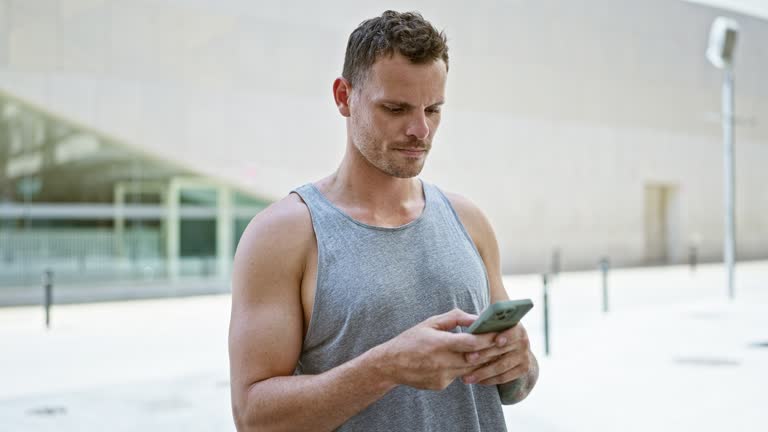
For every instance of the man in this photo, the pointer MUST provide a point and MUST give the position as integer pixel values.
(349, 294)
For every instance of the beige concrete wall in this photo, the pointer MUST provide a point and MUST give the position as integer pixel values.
(559, 113)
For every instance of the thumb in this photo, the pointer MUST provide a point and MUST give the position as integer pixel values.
(451, 320)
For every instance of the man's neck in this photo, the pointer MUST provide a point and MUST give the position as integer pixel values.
(359, 186)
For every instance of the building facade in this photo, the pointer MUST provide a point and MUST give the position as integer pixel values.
(144, 134)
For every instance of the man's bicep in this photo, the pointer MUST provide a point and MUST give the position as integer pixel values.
(264, 340)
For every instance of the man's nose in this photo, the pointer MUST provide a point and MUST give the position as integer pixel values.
(418, 126)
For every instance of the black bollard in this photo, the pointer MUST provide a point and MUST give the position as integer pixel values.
(555, 271)
(545, 280)
(693, 257)
(48, 286)
(604, 266)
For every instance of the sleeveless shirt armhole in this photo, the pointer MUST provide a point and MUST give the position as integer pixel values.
(468, 237)
(320, 254)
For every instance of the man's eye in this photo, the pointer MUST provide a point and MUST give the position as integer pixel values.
(394, 109)
(433, 110)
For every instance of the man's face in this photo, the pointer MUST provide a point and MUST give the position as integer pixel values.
(395, 112)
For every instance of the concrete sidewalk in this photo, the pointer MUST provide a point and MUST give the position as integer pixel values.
(673, 354)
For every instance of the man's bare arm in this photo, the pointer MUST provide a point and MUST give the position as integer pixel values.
(266, 332)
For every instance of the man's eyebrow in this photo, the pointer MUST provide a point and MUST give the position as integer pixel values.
(407, 105)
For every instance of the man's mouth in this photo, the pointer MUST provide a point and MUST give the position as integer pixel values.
(415, 152)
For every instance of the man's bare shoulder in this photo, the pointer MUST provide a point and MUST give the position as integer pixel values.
(473, 219)
(280, 234)
(468, 211)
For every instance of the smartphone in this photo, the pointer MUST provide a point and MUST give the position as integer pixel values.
(501, 316)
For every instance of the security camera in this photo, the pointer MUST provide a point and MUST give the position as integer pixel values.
(722, 42)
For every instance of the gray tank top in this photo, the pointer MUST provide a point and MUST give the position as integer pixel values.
(373, 283)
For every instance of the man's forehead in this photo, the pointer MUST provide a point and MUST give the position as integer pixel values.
(397, 77)
(388, 64)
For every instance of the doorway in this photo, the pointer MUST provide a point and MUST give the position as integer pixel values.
(661, 223)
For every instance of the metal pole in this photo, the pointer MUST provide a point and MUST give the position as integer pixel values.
(604, 264)
(693, 257)
(48, 286)
(545, 280)
(556, 262)
(729, 247)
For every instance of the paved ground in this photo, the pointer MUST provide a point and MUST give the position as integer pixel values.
(673, 354)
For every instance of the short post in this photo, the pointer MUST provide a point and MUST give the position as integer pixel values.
(545, 280)
(604, 266)
(693, 257)
(48, 286)
(555, 271)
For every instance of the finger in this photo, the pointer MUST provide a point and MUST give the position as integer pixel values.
(497, 367)
(516, 332)
(509, 340)
(494, 351)
(508, 376)
(451, 320)
(458, 363)
(467, 343)
(507, 335)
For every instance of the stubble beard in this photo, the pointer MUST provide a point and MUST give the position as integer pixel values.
(388, 160)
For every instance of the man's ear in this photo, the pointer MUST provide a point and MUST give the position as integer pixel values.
(342, 91)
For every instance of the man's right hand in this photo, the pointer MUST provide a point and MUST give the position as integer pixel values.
(429, 356)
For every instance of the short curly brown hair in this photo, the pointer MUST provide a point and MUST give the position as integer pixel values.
(406, 33)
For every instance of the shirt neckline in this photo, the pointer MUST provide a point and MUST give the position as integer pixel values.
(375, 227)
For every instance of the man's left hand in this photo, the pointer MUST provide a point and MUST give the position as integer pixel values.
(509, 360)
